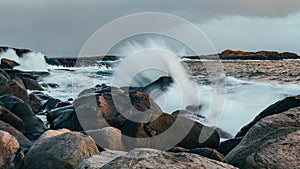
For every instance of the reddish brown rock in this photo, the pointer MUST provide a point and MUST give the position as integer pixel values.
(15, 87)
(9, 147)
(8, 64)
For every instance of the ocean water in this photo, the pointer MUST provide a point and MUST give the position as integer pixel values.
(240, 100)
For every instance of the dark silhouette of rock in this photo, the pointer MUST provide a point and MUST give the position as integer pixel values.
(50, 105)
(34, 127)
(161, 84)
(35, 102)
(8, 64)
(64, 117)
(226, 146)
(31, 84)
(13, 73)
(242, 55)
(8, 117)
(273, 142)
(82, 61)
(51, 85)
(3, 79)
(190, 134)
(63, 151)
(278, 107)
(19, 52)
(4, 74)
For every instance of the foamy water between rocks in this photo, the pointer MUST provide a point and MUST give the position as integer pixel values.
(243, 99)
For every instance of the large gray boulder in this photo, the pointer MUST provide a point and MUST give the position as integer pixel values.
(276, 108)
(63, 151)
(99, 160)
(273, 142)
(107, 138)
(150, 158)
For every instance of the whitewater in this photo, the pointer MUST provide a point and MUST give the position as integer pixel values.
(243, 100)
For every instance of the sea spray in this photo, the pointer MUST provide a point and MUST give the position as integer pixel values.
(147, 66)
(31, 61)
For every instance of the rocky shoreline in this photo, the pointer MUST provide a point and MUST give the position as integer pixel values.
(92, 132)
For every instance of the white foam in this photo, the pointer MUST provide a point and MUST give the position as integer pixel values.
(32, 61)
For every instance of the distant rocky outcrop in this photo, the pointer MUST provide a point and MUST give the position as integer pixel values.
(81, 61)
(242, 55)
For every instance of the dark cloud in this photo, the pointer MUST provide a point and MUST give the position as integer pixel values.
(62, 27)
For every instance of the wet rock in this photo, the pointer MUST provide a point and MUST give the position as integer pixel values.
(3, 79)
(177, 130)
(149, 158)
(4, 74)
(25, 144)
(273, 142)
(15, 87)
(13, 120)
(51, 85)
(31, 84)
(82, 61)
(35, 102)
(276, 108)
(224, 134)
(98, 161)
(226, 146)
(55, 113)
(107, 138)
(64, 117)
(34, 127)
(105, 109)
(9, 147)
(161, 84)
(50, 104)
(19, 52)
(8, 64)
(62, 151)
(13, 73)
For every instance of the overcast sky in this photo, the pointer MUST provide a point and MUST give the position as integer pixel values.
(61, 27)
